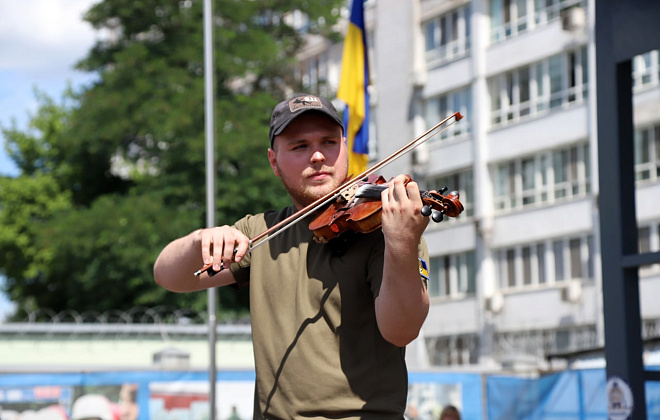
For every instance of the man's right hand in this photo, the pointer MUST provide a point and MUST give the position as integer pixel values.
(221, 246)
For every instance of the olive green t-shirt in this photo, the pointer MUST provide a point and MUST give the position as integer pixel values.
(318, 351)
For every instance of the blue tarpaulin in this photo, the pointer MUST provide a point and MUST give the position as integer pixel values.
(572, 394)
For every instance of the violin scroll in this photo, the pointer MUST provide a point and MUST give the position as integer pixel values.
(437, 205)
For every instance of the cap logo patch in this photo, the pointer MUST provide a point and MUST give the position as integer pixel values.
(304, 102)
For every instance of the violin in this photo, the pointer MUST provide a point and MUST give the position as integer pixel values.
(435, 201)
(359, 209)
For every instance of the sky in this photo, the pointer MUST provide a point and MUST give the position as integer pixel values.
(40, 42)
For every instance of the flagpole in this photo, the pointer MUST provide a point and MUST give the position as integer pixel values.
(210, 187)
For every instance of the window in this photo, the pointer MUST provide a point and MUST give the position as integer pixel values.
(461, 182)
(544, 178)
(590, 257)
(509, 18)
(647, 154)
(646, 69)
(649, 241)
(528, 174)
(439, 276)
(526, 265)
(511, 267)
(540, 262)
(467, 273)
(505, 187)
(447, 37)
(558, 254)
(313, 74)
(568, 166)
(644, 236)
(438, 108)
(559, 81)
(453, 350)
(453, 275)
(576, 258)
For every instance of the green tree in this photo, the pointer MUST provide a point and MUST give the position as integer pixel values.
(149, 105)
(116, 241)
(26, 203)
(117, 170)
(31, 199)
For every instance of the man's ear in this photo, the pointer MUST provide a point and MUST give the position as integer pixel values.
(272, 158)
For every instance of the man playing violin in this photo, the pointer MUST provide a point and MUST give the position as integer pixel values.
(329, 328)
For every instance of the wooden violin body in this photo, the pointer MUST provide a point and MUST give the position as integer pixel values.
(359, 209)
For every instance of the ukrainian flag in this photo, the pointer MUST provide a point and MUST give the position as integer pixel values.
(353, 90)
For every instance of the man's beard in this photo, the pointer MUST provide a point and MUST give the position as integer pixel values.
(304, 195)
(299, 196)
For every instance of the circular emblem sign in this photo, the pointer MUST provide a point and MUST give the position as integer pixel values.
(619, 399)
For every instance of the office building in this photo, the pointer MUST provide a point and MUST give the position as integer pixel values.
(515, 280)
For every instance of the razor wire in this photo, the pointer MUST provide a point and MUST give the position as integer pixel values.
(167, 322)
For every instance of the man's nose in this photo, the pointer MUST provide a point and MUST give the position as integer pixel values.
(318, 157)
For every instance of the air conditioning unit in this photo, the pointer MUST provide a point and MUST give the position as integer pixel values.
(573, 18)
(572, 292)
(172, 358)
(495, 303)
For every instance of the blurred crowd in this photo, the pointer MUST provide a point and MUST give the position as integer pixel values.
(86, 407)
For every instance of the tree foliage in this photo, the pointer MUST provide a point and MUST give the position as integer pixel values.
(117, 170)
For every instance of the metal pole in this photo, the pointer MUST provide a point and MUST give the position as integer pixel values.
(617, 204)
(210, 185)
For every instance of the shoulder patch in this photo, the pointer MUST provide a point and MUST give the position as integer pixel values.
(423, 269)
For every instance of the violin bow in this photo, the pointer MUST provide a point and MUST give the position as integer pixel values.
(285, 224)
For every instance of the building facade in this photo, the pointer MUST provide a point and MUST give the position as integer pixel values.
(515, 280)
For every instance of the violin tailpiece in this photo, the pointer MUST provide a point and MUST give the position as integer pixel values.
(370, 191)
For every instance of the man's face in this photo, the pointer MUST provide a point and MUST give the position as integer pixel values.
(310, 156)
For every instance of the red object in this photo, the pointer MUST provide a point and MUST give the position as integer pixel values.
(179, 400)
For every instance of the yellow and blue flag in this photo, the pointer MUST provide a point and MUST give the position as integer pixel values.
(353, 90)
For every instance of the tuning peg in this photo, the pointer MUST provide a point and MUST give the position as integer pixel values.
(426, 210)
(437, 216)
(443, 190)
(455, 193)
